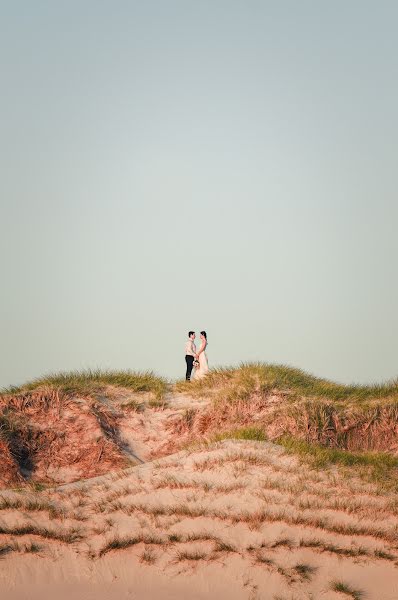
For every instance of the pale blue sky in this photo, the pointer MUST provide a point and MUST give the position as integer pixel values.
(168, 165)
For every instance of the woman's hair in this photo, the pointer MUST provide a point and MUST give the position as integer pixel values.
(204, 335)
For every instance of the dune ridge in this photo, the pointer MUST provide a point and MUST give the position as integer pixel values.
(138, 489)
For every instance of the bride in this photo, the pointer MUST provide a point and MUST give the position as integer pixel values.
(201, 357)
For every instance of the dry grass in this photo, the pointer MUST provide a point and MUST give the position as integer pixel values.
(31, 504)
(286, 542)
(191, 555)
(27, 548)
(223, 546)
(376, 467)
(263, 401)
(238, 382)
(148, 556)
(351, 551)
(88, 382)
(185, 520)
(42, 431)
(265, 560)
(68, 536)
(256, 518)
(344, 588)
(304, 571)
(121, 543)
(45, 433)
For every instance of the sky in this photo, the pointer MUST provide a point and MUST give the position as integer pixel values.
(219, 165)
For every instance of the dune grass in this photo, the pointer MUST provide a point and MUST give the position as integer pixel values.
(191, 555)
(68, 536)
(378, 467)
(351, 551)
(241, 433)
(344, 588)
(35, 504)
(121, 543)
(148, 556)
(257, 400)
(264, 376)
(305, 571)
(90, 381)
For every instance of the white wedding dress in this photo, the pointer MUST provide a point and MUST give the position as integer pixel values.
(203, 366)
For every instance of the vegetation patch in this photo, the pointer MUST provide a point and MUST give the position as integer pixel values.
(344, 588)
(121, 543)
(377, 467)
(238, 382)
(90, 381)
(68, 536)
(263, 401)
(66, 426)
(242, 433)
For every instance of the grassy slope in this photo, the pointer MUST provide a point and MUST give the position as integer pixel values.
(91, 381)
(323, 422)
(24, 441)
(240, 381)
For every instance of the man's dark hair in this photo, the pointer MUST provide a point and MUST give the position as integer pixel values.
(190, 333)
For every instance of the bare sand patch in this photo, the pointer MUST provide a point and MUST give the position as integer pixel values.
(236, 519)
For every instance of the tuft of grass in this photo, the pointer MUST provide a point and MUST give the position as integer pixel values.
(92, 381)
(121, 543)
(242, 433)
(6, 549)
(32, 548)
(10, 503)
(384, 555)
(37, 486)
(344, 588)
(68, 536)
(133, 406)
(157, 402)
(304, 571)
(32, 505)
(191, 555)
(157, 510)
(148, 556)
(352, 551)
(175, 538)
(287, 542)
(118, 543)
(222, 546)
(260, 558)
(200, 536)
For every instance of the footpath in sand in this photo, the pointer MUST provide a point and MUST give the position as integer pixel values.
(232, 519)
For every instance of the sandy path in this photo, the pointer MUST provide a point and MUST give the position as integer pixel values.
(146, 433)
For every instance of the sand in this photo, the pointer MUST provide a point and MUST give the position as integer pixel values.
(233, 519)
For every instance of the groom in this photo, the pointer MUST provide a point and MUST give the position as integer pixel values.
(190, 354)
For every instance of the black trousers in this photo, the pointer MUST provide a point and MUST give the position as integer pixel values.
(189, 360)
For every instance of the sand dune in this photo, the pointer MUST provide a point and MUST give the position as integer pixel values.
(235, 518)
(238, 518)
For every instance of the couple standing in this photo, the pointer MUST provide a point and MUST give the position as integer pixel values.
(194, 358)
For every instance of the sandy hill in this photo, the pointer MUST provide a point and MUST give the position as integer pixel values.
(259, 482)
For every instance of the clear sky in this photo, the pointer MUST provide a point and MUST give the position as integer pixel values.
(168, 165)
